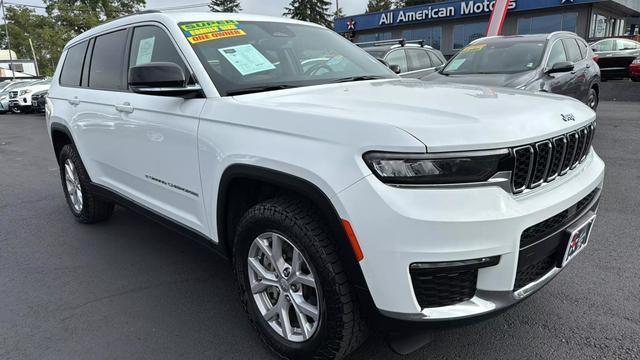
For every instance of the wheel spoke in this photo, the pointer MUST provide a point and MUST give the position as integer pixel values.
(285, 322)
(262, 285)
(296, 261)
(305, 308)
(302, 320)
(264, 247)
(273, 311)
(261, 271)
(304, 279)
(276, 251)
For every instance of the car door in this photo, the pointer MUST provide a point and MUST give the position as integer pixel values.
(144, 146)
(580, 82)
(559, 83)
(398, 57)
(419, 63)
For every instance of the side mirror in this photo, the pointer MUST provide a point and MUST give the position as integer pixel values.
(395, 68)
(594, 49)
(162, 79)
(560, 67)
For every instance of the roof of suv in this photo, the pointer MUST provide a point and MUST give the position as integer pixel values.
(541, 37)
(178, 18)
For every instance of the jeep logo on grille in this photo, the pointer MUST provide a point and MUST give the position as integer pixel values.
(568, 117)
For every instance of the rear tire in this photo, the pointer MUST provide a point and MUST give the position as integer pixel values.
(339, 328)
(84, 205)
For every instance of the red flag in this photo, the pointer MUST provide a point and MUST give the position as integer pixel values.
(497, 17)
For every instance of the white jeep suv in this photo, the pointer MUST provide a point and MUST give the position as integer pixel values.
(339, 191)
(20, 98)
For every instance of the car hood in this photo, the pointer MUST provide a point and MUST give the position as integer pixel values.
(505, 80)
(444, 117)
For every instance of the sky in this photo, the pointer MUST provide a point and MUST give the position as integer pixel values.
(262, 7)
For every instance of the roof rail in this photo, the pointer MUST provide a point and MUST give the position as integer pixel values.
(401, 42)
(560, 32)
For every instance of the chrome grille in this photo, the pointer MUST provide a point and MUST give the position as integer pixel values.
(544, 161)
(13, 94)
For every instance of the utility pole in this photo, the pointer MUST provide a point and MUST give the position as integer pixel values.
(6, 29)
(35, 60)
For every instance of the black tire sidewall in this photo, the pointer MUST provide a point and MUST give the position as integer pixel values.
(245, 237)
(593, 92)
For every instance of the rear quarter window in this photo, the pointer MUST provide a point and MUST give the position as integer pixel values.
(107, 61)
(72, 68)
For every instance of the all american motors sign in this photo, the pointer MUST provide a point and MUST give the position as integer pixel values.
(464, 8)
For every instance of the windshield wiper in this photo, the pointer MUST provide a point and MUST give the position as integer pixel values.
(258, 89)
(358, 78)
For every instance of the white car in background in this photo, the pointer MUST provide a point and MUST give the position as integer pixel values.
(20, 98)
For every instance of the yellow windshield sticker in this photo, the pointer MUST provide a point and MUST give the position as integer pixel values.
(215, 36)
(211, 30)
(474, 48)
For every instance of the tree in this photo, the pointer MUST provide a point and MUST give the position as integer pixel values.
(229, 6)
(316, 11)
(48, 37)
(79, 16)
(338, 13)
(379, 5)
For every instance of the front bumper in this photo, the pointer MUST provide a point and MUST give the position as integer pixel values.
(397, 227)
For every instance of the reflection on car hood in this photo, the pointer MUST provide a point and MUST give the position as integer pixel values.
(507, 80)
(444, 117)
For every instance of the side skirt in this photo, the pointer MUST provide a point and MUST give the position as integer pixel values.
(107, 194)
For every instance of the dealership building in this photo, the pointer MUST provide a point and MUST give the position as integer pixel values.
(451, 25)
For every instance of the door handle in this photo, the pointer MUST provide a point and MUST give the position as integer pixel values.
(75, 101)
(124, 108)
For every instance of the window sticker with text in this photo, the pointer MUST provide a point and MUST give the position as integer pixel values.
(198, 32)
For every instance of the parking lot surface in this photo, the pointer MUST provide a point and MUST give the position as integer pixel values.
(130, 289)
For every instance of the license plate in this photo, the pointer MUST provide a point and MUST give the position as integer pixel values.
(578, 238)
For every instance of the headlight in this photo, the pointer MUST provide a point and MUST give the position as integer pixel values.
(449, 168)
(26, 91)
(636, 61)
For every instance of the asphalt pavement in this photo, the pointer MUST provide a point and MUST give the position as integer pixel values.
(130, 289)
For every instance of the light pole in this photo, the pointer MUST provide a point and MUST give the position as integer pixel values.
(6, 29)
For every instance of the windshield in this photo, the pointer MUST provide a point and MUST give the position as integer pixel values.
(244, 57)
(497, 56)
(17, 84)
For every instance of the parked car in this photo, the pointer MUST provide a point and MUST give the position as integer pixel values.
(634, 69)
(39, 101)
(343, 199)
(410, 59)
(5, 88)
(559, 63)
(20, 98)
(615, 56)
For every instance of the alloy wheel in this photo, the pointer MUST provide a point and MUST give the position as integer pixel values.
(74, 190)
(284, 287)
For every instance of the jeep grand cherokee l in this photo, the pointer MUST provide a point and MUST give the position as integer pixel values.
(338, 195)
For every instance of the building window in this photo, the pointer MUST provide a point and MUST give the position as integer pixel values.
(602, 26)
(431, 36)
(464, 34)
(374, 37)
(547, 24)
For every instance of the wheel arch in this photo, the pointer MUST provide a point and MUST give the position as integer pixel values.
(60, 136)
(242, 186)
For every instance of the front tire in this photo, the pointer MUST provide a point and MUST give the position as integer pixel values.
(593, 100)
(84, 205)
(292, 284)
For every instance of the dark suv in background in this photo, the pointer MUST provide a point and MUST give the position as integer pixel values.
(560, 63)
(615, 56)
(410, 59)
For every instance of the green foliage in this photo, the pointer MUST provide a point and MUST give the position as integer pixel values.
(316, 11)
(64, 20)
(379, 5)
(228, 6)
(79, 16)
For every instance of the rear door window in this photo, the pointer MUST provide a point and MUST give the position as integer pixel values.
(626, 45)
(398, 57)
(72, 68)
(583, 48)
(107, 61)
(573, 51)
(418, 59)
